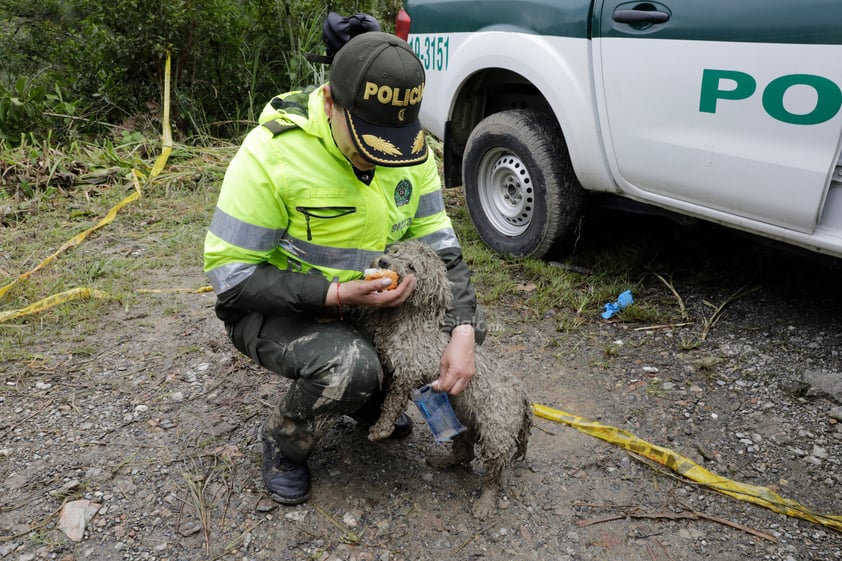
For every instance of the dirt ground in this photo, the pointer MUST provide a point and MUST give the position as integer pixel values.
(156, 426)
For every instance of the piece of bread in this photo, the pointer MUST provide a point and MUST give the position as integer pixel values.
(371, 274)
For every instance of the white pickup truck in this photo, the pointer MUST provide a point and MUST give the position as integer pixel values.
(724, 110)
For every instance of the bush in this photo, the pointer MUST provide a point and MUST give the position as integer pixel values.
(105, 58)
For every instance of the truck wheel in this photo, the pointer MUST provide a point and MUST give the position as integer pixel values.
(522, 194)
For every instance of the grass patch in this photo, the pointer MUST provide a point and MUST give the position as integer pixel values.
(574, 291)
(153, 243)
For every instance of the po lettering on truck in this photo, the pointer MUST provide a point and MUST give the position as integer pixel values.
(734, 85)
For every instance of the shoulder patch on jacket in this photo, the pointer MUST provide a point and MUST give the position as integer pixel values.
(277, 128)
(292, 104)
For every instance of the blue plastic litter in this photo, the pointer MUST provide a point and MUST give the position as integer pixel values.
(623, 300)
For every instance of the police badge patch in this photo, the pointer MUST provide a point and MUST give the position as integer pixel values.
(403, 192)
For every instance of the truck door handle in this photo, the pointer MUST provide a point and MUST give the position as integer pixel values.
(640, 16)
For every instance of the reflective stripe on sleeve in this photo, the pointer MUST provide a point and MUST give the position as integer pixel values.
(430, 204)
(242, 234)
(230, 275)
(441, 239)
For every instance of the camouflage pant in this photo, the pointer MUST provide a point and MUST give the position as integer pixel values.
(334, 370)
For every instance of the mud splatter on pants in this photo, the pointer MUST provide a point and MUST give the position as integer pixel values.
(334, 370)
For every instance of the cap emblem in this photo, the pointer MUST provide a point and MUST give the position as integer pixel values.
(418, 143)
(381, 144)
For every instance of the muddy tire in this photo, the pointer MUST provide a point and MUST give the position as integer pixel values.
(522, 194)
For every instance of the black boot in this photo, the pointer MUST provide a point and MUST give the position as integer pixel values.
(403, 427)
(368, 414)
(403, 424)
(286, 482)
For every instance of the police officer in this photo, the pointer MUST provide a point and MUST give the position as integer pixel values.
(331, 177)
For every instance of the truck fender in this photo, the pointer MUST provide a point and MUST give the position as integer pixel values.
(558, 67)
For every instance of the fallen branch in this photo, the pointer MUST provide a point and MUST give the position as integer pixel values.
(684, 515)
(347, 535)
(675, 293)
(717, 310)
(473, 537)
(663, 326)
(230, 548)
(630, 514)
(738, 526)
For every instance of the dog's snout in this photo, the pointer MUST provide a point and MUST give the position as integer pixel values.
(384, 262)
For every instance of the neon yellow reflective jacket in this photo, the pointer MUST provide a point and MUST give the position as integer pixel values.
(293, 215)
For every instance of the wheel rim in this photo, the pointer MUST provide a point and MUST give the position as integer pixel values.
(505, 191)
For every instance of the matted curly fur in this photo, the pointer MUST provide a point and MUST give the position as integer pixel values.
(494, 407)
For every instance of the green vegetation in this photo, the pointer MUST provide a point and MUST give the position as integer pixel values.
(70, 67)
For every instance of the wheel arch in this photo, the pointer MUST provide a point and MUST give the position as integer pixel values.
(483, 93)
(549, 74)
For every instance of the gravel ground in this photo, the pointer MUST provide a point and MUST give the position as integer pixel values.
(155, 427)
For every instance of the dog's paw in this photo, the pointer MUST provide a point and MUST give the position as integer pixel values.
(485, 505)
(380, 432)
(445, 462)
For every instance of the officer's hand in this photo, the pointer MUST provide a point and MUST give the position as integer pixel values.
(457, 363)
(370, 293)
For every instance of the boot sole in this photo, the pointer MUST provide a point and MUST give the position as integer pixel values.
(287, 501)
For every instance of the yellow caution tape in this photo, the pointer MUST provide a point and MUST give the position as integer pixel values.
(87, 293)
(199, 290)
(54, 300)
(166, 136)
(688, 468)
(72, 242)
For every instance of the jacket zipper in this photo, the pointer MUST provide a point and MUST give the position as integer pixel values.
(338, 212)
